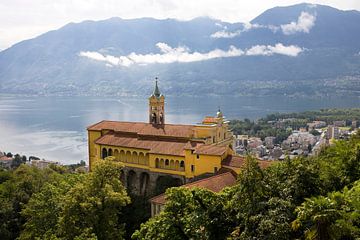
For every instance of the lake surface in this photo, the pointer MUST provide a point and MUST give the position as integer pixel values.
(54, 128)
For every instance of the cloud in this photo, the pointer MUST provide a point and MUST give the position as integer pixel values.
(225, 34)
(183, 54)
(304, 24)
(269, 50)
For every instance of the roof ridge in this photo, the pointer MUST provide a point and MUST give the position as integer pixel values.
(167, 124)
(92, 125)
(204, 179)
(198, 181)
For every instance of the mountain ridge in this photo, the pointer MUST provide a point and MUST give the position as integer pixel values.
(307, 54)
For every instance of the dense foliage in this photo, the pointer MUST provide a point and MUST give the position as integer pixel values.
(46, 204)
(326, 115)
(260, 128)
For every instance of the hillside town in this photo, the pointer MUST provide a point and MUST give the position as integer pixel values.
(303, 141)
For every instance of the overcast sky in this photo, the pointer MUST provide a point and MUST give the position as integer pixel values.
(24, 19)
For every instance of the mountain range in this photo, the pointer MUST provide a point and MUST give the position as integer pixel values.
(299, 50)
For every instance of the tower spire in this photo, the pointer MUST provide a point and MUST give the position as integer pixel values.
(156, 92)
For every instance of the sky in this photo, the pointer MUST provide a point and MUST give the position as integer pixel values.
(25, 19)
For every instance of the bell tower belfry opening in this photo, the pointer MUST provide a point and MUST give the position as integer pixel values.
(156, 106)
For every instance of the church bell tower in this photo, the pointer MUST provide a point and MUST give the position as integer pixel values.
(156, 106)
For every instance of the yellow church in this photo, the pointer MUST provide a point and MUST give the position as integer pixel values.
(155, 149)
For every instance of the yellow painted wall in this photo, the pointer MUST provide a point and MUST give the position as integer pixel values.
(204, 131)
(93, 148)
(218, 132)
(203, 164)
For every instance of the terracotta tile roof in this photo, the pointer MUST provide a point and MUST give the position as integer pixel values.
(208, 120)
(233, 161)
(5, 158)
(191, 145)
(170, 130)
(215, 183)
(154, 146)
(159, 199)
(238, 162)
(210, 150)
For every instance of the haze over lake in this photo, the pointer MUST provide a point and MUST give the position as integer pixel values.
(54, 128)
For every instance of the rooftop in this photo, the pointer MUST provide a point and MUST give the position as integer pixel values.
(148, 129)
(215, 183)
(238, 162)
(5, 158)
(210, 150)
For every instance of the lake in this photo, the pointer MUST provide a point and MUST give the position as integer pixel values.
(54, 128)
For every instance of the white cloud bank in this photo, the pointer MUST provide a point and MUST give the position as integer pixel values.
(225, 34)
(305, 22)
(183, 55)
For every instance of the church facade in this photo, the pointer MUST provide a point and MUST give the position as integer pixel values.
(152, 150)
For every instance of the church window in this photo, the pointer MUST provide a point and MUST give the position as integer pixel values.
(161, 118)
(215, 169)
(167, 162)
(182, 164)
(197, 156)
(153, 118)
(192, 168)
(104, 153)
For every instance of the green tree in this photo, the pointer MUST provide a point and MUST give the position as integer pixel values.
(340, 163)
(17, 161)
(43, 210)
(16, 192)
(95, 205)
(335, 216)
(189, 214)
(4, 175)
(257, 214)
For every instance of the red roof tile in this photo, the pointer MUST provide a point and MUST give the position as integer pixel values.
(5, 158)
(208, 120)
(210, 150)
(215, 183)
(238, 162)
(191, 145)
(233, 161)
(169, 130)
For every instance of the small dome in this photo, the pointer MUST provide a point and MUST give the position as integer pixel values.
(219, 114)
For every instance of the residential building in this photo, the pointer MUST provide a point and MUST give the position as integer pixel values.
(332, 132)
